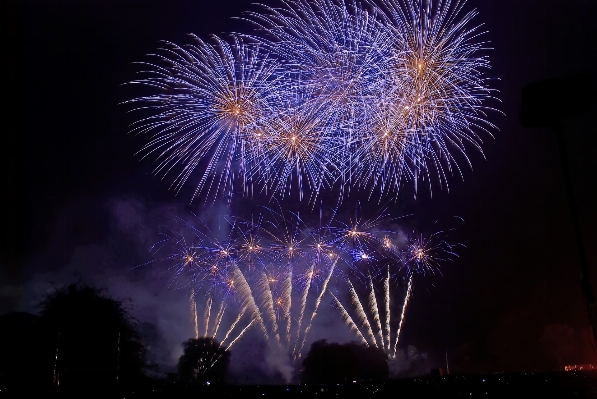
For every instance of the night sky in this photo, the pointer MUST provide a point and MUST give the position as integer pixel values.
(81, 205)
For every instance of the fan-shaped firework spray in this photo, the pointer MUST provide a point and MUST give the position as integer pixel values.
(294, 264)
(404, 258)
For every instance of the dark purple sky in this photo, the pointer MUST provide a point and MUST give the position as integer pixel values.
(511, 301)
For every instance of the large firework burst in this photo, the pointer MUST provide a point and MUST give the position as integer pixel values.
(336, 95)
(434, 101)
(214, 99)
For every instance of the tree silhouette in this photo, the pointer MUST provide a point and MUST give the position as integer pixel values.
(203, 360)
(89, 339)
(335, 363)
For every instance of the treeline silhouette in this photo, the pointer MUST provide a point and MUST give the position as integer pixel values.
(81, 338)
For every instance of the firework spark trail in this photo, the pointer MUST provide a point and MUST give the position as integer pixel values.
(387, 303)
(406, 299)
(317, 302)
(265, 293)
(213, 363)
(267, 302)
(218, 319)
(287, 304)
(244, 291)
(240, 315)
(207, 364)
(361, 312)
(303, 305)
(207, 314)
(348, 320)
(435, 96)
(241, 334)
(193, 303)
(375, 311)
(231, 343)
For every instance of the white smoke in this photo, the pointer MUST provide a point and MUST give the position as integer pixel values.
(409, 362)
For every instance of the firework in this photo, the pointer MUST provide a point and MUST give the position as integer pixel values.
(414, 255)
(360, 238)
(336, 95)
(196, 257)
(403, 313)
(336, 52)
(214, 265)
(214, 100)
(211, 326)
(424, 254)
(435, 98)
(267, 303)
(317, 303)
(348, 320)
(303, 301)
(375, 312)
(276, 269)
(194, 315)
(380, 336)
(298, 146)
(361, 314)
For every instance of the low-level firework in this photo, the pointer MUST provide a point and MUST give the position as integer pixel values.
(371, 318)
(371, 322)
(208, 325)
(276, 270)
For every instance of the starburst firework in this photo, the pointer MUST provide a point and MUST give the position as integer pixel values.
(338, 95)
(215, 97)
(435, 98)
